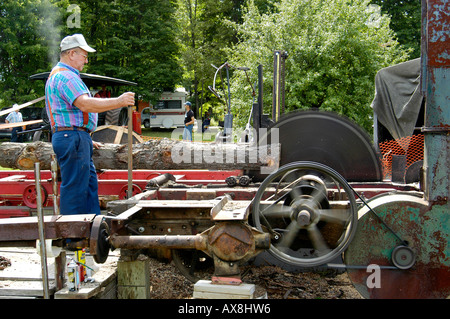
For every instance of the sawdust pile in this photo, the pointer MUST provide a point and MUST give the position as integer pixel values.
(168, 283)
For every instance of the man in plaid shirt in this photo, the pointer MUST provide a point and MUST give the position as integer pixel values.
(73, 116)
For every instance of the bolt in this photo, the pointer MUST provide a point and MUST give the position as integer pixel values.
(304, 218)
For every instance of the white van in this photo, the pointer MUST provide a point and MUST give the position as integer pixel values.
(168, 112)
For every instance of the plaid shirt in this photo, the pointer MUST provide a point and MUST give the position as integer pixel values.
(61, 90)
(14, 117)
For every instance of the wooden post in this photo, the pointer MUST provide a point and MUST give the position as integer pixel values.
(133, 279)
(60, 270)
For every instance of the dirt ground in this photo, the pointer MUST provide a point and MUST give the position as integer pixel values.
(168, 283)
(271, 282)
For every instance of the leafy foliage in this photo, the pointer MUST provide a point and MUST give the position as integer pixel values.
(27, 28)
(334, 51)
(405, 22)
(334, 48)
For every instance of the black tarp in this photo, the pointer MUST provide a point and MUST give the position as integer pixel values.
(398, 99)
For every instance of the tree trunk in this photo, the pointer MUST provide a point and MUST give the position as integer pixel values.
(164, 154)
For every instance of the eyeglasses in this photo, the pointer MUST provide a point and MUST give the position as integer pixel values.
(84, 55)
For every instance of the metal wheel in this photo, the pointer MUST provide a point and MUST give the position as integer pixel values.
(99, 240)
(135, 189)
(307, 228)
(30, 196)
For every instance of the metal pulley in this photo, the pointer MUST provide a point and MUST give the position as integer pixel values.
(403, 257)
(30, 195)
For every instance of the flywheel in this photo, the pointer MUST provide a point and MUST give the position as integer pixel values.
(310, 212)
(400, 249)
(326, 138)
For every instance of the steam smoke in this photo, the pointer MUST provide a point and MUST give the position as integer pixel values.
(49, 29)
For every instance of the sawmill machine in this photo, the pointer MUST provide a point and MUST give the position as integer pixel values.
(327, 199)
(399, 239)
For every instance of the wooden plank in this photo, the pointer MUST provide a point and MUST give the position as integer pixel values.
(11, 125)
(24, 288)
(23, 279)
(89, 290)
(21, 106)
(25, 265)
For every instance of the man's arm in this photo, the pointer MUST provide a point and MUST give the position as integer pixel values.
(97, 105)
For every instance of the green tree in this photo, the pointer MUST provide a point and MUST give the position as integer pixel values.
(136, 41)
(202, 41)
(406, 21)
(206, 37)
(334, 50)
(27, 30)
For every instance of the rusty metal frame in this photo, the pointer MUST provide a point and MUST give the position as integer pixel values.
(25, 229)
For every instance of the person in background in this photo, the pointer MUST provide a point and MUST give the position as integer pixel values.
(15, 117)
(206, 123)
(73, 115)
(103, 93)
(189, 120)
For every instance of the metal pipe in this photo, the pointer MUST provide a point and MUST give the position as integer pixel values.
(173, 242)
(43, 249)
(54, 171)
(130, 151)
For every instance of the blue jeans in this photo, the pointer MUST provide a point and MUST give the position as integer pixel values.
(79, 184)
(187, 132)
(14, 136)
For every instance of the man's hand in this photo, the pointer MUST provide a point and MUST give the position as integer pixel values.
(126, 99)
(97, 145)
(98, 105)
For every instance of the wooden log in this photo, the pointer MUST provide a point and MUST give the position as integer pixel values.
(164, 154)
(24, 155)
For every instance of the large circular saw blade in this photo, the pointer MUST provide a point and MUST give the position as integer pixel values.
(325, 138)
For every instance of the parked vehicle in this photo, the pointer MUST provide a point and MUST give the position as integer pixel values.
(168, 112)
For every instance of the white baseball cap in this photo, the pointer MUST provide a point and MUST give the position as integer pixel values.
(75, 41)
